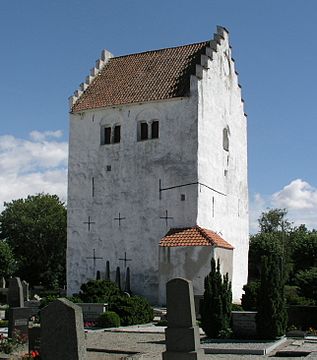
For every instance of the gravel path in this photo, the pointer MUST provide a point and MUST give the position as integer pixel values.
(151, 345)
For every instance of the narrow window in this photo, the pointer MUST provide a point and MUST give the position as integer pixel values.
(107, 135)
(92, 186)
(225, 139)
(155, 129)
(144, 131)
(213, 207)
(108, 167)
(116, 137)
(183, 197)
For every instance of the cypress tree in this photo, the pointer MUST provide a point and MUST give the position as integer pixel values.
(271, 319)
(216, 304)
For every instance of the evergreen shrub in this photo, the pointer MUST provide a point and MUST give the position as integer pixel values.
(108, 319)
(99, 291)
(216, 304)
(132, 310)
(249, 298)
(271, 318)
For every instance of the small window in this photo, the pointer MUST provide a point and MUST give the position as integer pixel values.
(108, 167)
(144, 131)
(183, 197)
(107, 135)
(155, 129)
(116, 137)
(225, 139)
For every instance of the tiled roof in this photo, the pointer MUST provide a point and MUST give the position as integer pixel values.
(193, 236)
(152, 75)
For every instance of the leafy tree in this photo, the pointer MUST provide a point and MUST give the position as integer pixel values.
(274, 220)
(306, 280)
(7, 261)
(304, 249)
(35, 228)
(216, 304)
(271, 318)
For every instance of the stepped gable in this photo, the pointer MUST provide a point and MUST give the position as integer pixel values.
(193, 236)
(152, 75)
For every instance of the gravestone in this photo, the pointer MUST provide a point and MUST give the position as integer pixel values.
(2, 283)
(62, 331)
(107, 276)
(18, 320)
(26, 293)
(182, 333)
(127, 287)
(118, 277)
(15, 293)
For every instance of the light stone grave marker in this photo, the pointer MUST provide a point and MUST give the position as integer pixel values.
(62, 331)
(26, 293)
(182, 333)
(2, 283)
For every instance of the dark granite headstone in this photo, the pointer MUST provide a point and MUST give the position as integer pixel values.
(127, 287)
(15, 293)
(62, 331)
(118, 277)
(182, 333)
(19, 320)
(107, 276)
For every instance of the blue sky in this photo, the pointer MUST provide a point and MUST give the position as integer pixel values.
(48, 47)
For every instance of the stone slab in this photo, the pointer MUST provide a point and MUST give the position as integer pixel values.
(62, 331)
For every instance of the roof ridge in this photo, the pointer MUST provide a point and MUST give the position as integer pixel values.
(162, 49)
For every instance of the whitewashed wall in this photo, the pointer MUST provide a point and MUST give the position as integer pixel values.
(131, 188)
(219, 107)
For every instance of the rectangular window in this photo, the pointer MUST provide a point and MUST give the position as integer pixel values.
(116, 137)
(107, 135)
(155, 130)
(144, 131)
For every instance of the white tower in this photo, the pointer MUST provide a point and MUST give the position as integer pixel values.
(158, 141)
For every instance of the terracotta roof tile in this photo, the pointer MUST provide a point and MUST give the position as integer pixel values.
(193, 236)
(152, 75)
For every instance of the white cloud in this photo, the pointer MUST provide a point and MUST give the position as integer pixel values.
(32, 166)
(299, 198)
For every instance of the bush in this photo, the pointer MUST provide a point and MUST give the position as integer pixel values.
(306, 280)
(99, 291)
(271, 318)
(216, 303)
(48, 299)
(293, 298)
(132, 310)
(108, 319)
(249, 298)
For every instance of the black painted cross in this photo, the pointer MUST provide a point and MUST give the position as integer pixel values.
(94, 258)
(119, 218)
(125, 259)
(166, 217)
(89, 222)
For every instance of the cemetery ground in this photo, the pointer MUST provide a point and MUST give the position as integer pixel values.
(115, 345)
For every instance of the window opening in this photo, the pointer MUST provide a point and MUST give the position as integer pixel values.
(144, 131)
(107, 135)
(116, 137)
(213, 206)
(183, 197)
(225, 140)
(155, 129)
(108, 167)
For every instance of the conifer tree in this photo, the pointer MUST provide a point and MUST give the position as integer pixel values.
(271, 319)
(216, 304)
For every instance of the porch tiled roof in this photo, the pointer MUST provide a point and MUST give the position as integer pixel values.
(193, 236)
